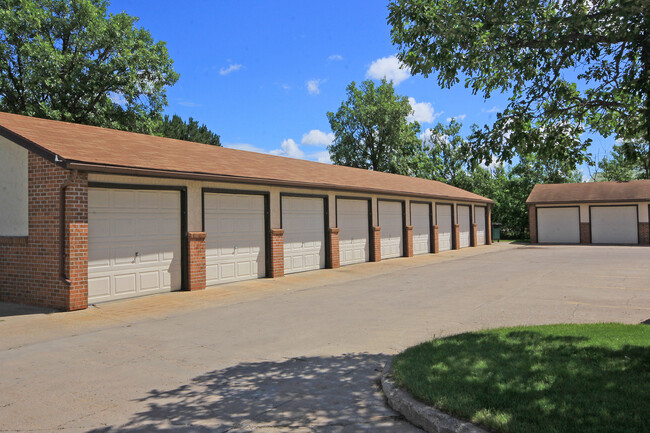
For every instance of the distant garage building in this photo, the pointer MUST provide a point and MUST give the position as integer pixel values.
(89, 215)
(590, 213)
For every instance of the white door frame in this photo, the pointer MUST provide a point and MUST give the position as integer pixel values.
(267, 217)
(326, 216)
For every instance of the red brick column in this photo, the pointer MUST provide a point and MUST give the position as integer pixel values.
(436, 244)
(409, 241)
(585, 233)
(196, 257)
(375, 254)
(532, 223)
(277, 253)
(334, 252)
(488, 229)
(456, 239)
(474, 235)
(644, 233)
(76, 236)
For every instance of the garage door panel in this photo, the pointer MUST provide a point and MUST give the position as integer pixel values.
(421, 223)
(391, 222)
(614, 225)
(303, 221)
(479, 218)
(354, 243)
(444, 220)
(558, 225)
(118, 227)
(464, 225)
(235, 242)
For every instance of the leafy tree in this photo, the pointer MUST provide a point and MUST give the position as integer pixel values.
(637, 154)
(372, 131)
(568, 66)
(616, 167)
(70, 60)
(444, 146)
(188, 131)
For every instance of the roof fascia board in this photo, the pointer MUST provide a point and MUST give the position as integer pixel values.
(128, 171)
(32, 147)
(620, 200)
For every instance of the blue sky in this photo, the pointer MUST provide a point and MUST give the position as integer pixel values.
(263, 74)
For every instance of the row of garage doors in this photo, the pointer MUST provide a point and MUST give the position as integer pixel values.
(611, 224)
(135, 243)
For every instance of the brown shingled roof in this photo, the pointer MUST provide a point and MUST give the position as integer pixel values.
(636, 190)
(96, 149)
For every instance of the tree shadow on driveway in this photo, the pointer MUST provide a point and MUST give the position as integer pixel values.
(311, 394)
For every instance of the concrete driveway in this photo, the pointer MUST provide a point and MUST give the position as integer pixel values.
(299, 354)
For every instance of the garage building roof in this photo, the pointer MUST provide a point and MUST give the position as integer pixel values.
(636, 190)
(94, 149)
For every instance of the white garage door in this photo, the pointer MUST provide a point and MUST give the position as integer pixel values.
(354, 243)
(479, 217)
(444, 221)
(134, 243)
(464, 225)
(392, 229)
(559, 225)
(235, 240)
(303, 220)
(421, 228)
(614, 225)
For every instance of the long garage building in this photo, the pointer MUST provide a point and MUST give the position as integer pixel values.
(89, 215)
(590, 213)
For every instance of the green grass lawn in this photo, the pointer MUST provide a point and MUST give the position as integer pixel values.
(555, 378)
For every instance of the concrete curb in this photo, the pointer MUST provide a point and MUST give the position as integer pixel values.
(419, 414)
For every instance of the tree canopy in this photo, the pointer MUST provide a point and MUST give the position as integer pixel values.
(567, 66)
(188, 131)
(70, 60)
(372, 132)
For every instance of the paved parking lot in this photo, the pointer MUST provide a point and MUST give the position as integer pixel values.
(301, 353)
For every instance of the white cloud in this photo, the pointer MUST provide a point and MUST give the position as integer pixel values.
(336, 57)
(422, 112)
(494, 109)
(316, 137)
(389, 67)
(322, 156)
(229, 69)
(244, 146)
(460, 118)
(313, 86)
(289, 148)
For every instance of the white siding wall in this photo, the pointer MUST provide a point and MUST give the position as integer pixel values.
(13, 189)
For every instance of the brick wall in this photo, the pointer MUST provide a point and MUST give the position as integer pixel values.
(334, 252)
(409, 241)
(277, 253)
(30, 268)
(436, 243)
(474, 234)
(644, 233)
(456, 237)
(375, 251)
(532, 223)
(196, 259)
(585, 233)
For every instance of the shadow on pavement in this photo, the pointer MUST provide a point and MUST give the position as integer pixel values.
(7, 309)
(314, 394)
